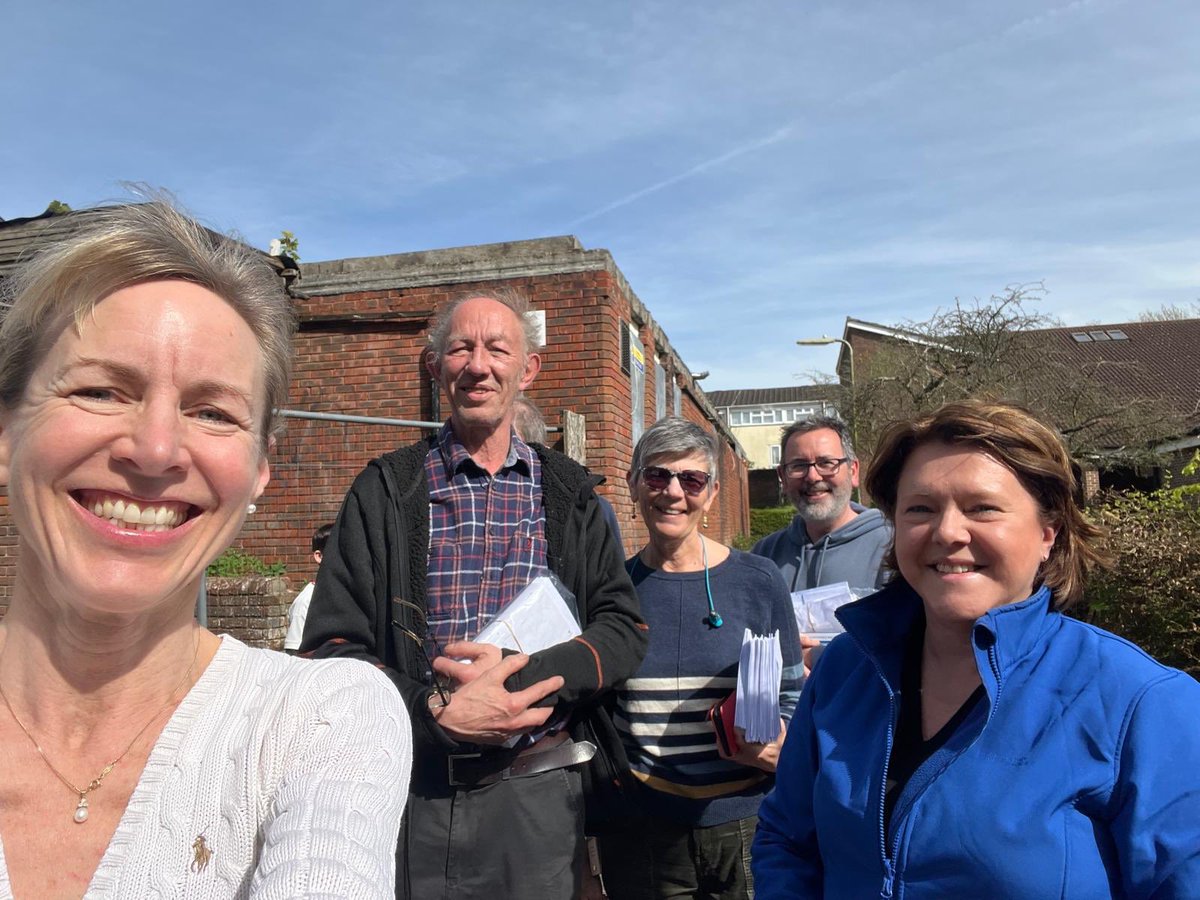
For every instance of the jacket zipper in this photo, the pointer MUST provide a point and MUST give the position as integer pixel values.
(889, 860)
(995, 664)
(889, 864)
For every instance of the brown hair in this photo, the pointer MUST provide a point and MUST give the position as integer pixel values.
(1019, 440)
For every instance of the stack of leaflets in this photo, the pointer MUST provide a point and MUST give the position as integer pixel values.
(536, 619)
(759, 674)
(815, 610)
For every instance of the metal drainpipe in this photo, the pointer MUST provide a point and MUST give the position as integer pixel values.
(202, 602)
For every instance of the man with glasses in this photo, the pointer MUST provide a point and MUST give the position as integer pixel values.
(431, 541)
(831, 538)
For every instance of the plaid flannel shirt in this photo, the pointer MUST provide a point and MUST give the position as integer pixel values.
(487, 535)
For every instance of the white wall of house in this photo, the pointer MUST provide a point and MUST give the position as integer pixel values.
(757, 428)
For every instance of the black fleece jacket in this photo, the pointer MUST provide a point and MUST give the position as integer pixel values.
(376, 557)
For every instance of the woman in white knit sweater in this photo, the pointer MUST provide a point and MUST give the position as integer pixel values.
(140, 366)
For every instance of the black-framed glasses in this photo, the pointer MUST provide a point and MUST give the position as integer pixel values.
(438, 686)
(658, 478)
(826, 465)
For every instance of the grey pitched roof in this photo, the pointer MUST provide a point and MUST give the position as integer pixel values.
(1151, 360)
(799, 393)
(1140, 359)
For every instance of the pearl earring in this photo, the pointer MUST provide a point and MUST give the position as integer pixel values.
(251, 509)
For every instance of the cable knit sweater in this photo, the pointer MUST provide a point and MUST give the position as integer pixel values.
(294, 772)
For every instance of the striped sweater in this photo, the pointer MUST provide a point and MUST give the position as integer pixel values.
(662, 710)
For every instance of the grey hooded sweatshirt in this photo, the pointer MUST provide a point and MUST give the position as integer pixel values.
(852, 553)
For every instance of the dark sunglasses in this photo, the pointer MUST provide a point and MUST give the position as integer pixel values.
(658, 478)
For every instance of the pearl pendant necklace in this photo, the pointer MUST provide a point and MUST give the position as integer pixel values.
(81, 808)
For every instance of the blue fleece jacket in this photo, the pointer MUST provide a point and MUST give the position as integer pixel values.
(1077, 777)
(852, 553)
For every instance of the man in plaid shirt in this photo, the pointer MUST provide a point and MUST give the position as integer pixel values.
(431, 541)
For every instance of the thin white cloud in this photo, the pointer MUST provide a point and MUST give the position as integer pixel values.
(775, 137)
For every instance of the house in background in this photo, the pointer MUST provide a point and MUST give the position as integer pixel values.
(756, 416)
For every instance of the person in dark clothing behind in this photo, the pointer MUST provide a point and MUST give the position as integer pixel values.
(431, 541)
(831, 538)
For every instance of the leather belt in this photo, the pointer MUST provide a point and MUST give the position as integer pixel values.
(555, 751)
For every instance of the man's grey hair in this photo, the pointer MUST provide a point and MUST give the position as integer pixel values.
(815, 423)
(674, 436)
(528, 421)
(439, 327)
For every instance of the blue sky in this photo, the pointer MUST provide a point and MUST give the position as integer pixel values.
(759, 169)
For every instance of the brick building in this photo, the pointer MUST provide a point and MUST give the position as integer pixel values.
(362, 326)
(362, 329)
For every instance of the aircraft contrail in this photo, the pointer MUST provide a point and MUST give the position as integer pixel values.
(859, 94)
(773, 138)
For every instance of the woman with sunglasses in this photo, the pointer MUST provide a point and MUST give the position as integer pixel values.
(696, 805)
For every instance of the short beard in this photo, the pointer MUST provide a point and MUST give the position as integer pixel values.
(823, 511)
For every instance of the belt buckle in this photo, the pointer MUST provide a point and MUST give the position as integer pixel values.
(450, 759)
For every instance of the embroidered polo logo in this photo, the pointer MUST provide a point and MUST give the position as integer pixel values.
(200, 854)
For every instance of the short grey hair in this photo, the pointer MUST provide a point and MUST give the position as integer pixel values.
(674, 436)
(528, 420)
(439, 326)
(121, 246)
(816, 423)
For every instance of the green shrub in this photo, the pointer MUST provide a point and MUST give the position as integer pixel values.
(1152, 596)
(762, 523)
(235, 563)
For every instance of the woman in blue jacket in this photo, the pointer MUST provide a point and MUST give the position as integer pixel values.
(964, 738)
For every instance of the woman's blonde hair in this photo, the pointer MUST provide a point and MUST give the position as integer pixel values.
(1019, 440)
(121, 246)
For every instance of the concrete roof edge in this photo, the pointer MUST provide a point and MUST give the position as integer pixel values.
(453, 265)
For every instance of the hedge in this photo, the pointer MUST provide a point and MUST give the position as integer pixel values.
(762, 523)
(1152, 595)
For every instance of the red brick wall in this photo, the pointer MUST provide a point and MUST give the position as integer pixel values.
(372, 367)
(729, 515)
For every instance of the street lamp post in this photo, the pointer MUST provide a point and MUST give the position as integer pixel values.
(823, 341)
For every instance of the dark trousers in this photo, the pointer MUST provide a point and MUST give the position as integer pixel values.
(517, 838)
(655, 859)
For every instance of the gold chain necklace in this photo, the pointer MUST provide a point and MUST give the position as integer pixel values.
(81, 809)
